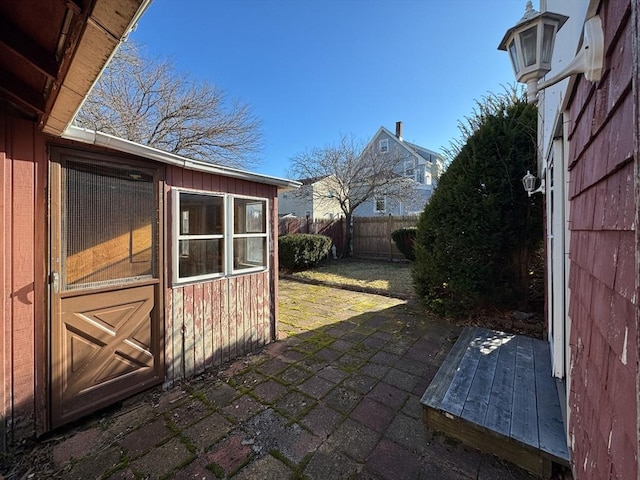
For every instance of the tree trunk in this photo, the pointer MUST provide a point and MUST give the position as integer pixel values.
(348, 235)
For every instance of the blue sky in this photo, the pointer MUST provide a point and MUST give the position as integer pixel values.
(313, 70)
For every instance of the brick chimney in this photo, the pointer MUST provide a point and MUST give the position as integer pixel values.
(399, 130)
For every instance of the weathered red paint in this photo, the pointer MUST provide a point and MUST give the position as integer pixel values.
(603, 256)
(221, 319)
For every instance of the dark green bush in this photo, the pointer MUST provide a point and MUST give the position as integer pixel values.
(477, 234)
(404, 238)
(299, 251)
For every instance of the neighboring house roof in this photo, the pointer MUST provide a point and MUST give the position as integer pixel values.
(419, 153)
(54, 51)
(425, 153)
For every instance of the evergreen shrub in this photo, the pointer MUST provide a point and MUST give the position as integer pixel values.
(300, 251)
(404, 238)
(477, 235)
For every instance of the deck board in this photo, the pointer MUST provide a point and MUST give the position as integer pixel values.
(435, 393)
(550, 422)
(500, 384)
(477, 401)
(498, 417)
(454, 399)
(524, 415)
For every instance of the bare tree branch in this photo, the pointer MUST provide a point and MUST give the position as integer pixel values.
(149, 102)
(355, 172)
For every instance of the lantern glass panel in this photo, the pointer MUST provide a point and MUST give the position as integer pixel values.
(547, 42)
(514, 56)
(528, 43)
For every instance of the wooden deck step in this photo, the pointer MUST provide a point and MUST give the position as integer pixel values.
(495, 392)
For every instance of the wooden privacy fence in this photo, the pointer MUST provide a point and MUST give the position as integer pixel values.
(372, 236)
(330, 228)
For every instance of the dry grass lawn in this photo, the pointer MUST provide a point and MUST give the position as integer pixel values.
(389, 278)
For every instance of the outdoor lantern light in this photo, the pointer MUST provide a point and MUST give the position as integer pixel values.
(530, 46)
(529, 184)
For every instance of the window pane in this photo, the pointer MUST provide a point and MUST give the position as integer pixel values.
(249, 216)
(529, 43)
(514, 56)
(249, 252)
(200, 257)
(201, 214)
(547, 43)
(109, 225)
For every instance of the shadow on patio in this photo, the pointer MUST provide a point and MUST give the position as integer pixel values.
(338, 396)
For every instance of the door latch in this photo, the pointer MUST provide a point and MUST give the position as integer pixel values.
(55, 281)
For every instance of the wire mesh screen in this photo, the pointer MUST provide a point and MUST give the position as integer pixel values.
(109, 225)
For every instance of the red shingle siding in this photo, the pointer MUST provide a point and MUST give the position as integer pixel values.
(212, 322)
(604, 351)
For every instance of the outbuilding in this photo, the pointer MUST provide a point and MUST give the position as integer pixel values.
(123, 266)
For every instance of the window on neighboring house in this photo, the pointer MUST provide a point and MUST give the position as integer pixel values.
(383, 145)
(217, 234)
(379, 204)
(409, 170)
(427, 179)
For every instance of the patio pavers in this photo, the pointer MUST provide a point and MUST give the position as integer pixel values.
(336, 397)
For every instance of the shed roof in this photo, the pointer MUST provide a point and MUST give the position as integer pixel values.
(87, 136)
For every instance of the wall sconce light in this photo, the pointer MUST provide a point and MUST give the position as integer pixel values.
(530, 46)
(529, 184)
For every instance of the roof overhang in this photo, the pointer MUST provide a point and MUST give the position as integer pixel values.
(53, 51)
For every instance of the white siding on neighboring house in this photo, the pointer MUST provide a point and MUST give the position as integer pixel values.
(315, 198)
(420, 164)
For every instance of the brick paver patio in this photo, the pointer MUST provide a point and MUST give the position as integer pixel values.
(336, 397)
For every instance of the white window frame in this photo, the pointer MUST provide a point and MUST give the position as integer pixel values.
(383, 145)
(375, 203)
(233, 235)
(410, 169)
(227, 236)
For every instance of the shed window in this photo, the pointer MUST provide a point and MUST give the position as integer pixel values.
(216, 235)
(200, 235)
(249, 234)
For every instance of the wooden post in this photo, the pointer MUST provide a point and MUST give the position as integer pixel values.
(390, 239)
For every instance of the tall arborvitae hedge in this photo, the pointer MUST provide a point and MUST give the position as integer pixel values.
(477, 234)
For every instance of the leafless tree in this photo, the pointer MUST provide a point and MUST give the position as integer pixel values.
(148, 101)
(354, 173)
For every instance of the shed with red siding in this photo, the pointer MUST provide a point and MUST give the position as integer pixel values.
(123, 266)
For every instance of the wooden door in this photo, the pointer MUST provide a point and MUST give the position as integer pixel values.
(106, 323)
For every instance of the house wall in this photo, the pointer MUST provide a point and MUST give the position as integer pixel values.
(295, 202)
(422, 192)
(23, 167)
(211, 322)
(313, 198)
(396, 208)
(602, 281)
